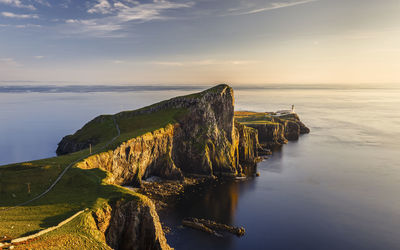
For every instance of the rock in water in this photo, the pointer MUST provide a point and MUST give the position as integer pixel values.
(212, 227)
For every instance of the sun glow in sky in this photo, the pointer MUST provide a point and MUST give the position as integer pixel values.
(202, 41)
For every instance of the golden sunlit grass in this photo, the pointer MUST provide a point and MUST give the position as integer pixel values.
(77, 190)
(247, 118)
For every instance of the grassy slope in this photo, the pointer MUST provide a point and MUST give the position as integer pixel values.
(77, 190)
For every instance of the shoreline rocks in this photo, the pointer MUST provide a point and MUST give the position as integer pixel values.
(212, 227)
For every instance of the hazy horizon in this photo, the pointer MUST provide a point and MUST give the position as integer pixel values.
(204, 41)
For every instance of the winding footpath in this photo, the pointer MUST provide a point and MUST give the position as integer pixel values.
(67, 168)
(47, 230)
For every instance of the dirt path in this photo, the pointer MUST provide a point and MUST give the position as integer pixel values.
(66, 169)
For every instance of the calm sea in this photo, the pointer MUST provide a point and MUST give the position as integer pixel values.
(336, 188)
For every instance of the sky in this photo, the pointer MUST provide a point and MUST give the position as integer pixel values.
(200, 42)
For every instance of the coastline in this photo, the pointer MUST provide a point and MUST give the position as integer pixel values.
(243, 158)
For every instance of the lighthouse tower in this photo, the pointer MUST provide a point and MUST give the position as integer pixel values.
(293, 109)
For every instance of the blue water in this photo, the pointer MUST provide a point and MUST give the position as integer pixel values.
(335, 188)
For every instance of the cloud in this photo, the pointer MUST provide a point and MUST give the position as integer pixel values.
(39, 57)
(93, 27)
(21, 26)
(43, 2)
(148, 11)
(65, 4)
(19, 16)
(102, 7)
(117, 14)
(246, 10)
(18, 4)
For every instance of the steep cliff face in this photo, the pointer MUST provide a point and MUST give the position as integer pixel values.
(208, 143)
(143, 156)
(203, 141)
(293, 126)
(130, 225)
(273, 130)
(249, 147)
(270, 134)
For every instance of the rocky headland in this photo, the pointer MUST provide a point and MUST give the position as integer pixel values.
(181, 141)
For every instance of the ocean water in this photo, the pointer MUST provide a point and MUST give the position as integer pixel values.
(335, 188)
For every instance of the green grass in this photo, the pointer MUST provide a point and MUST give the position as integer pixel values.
(100, 129)
(131, 123)
(248, 118)
(259, 122)
(132, 126)
(78, 189)
(80, 233)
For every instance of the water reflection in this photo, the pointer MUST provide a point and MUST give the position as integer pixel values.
(215, 200)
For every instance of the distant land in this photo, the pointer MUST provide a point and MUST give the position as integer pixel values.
(37, 87)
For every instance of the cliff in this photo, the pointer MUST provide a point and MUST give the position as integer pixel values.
(199, 139)
(187, 135)
(250, 149)
(273, 130)
(132, 225)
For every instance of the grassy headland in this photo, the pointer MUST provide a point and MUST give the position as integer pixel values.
(78, 189)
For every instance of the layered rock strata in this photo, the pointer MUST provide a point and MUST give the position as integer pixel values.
(131, 225)
(204, 142)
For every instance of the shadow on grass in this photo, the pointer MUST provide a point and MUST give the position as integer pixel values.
(77, 190)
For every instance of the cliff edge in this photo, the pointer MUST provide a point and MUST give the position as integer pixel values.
(196, 136)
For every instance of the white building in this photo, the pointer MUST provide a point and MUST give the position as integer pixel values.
(285, 112)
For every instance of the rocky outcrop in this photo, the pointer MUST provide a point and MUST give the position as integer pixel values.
(203, 142)
(279, 130)
(208, 142)
(86, 136)
(67, 145)
(212, 227)
(250, 149)
(130, 225)
(293, 126)
(270, 134)
(140, 157)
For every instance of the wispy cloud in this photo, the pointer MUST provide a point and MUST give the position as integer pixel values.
(21, 26)
(102, 7)
(19, 16)
(18, 4)
(43, 2)
(39, 57)
(246, 10)
(117, 14)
